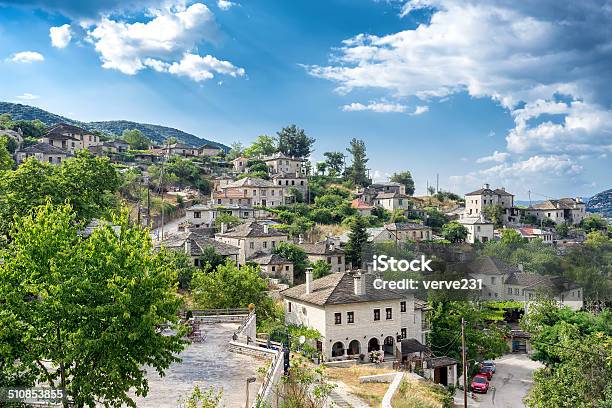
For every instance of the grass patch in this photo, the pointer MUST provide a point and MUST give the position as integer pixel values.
(421, 394)
(372, 393)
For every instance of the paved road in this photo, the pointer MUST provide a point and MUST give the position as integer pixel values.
(510, 383)
(169, 228)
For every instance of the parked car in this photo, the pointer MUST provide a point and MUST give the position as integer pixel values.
(488, 363)
(480, 383)
(486, 371)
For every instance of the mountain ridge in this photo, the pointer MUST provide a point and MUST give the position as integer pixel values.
(157, 133)
(601, 203)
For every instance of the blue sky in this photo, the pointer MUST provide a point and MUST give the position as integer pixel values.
(477, 91)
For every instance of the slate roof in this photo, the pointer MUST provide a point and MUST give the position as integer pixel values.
(339, 288)
(65, 127)
(320, 248)
(489, 265)
(198, 244)
(249, 182)
(413, 346)
(282, 156)
(283, 175)
(445, 361)
(252, 229)
(269, 259)
(181, 146)
(406, 226)
(391, 195)
(488, 191)
(560, 204)
(556, 284)
(44, 148)
(474, 220)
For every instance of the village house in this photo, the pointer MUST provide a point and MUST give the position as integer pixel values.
(409, 231)
(289, 181)
(17, 135)
(181, 149)
(194, 245)
(64, 142)
(479, 229)
(328, 252)
(502, 281)
(204, 215)
(362, 207)
(369, 193)
(274, 266)
(564, 210)
(251, 238)
(250, 191)
(84, 138)
(352, 317)
(476, 201)
(392, 201)
(209, 150)
(240, 164)
(530, 233)
(116, 146)
(42, 152)
(281, 163)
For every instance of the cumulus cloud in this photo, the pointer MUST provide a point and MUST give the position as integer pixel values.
(166, 43)
(497, 157)
(419, 110)
(60, 36)
(381, 107)
(27, 57)
(516, 53)
(27, 97)
(225, 4)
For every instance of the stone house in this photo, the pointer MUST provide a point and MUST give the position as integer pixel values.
(252, 238)
(194, 245)
(564, 210)
(209, 150)
(362, 207)
(502, 281)
(274, 266)
(64, 142)
(530, 233)
(85, 139)
(42, 152)
(479, 229)
(291, 180)
(250, 191)
(352, 317)
(181, 149)
(204, 215)
(328, 252)
(409, 231)
(281, 163)
(240, 164)
(392, 201)
(477, 200)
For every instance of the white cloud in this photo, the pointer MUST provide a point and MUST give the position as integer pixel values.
(420, 110)
(27, 97)
(60, 36)
(381, 107)
(27, 57)
(497, 157)
(515, 53)
(166, 43)
(225, 4)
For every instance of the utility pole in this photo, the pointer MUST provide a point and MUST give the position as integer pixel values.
(465, 404)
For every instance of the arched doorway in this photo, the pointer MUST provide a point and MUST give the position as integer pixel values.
(354, 348)
(388, 346)
(373, 344)
(338, 349)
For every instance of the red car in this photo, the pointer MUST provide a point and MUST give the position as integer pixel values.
(486, 371)
(480, 383)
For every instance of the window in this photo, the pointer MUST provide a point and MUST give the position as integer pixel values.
(509, 291)
(404, 333)
(389, 313)
(254, 192)
(197, 214)
(218, 201)
(402, 306)
(286, 267)
(339, 259)
(329, 259)
(265, 244)
(492, 280)
(273, 268)
(302, 182)
(252, 245)
(196, 262)
(376, 314)
(338, 318)
(350, 317)
(516, 291)
(50, 159)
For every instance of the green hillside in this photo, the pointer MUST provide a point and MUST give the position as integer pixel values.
(156, 133)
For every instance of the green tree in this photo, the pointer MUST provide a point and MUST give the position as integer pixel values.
(357, 172)
(334, 162)
(454, 232)
(320, 269)
(510, 237)
(228, 219)
(198, 399)
(435, 219)
(562, 230)
(593, 223)
(321, 168)
(5, 120)
(495, 214)
(405, 178)
(294, 142)
(136, 139)
(264, 145)
(6, 162)
(90, 306)
(229, 286)
(357, 243)
(296, 255)
(236, 150)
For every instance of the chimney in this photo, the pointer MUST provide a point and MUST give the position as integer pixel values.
(188, 246)
(520, 267)
(300, 239)
(503, 189)
(223, 228)
(359, 284)
(266, 228)
(486, 185)
(308, 280)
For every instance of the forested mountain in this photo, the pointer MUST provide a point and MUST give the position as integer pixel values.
(156, 133)
(601, 203)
